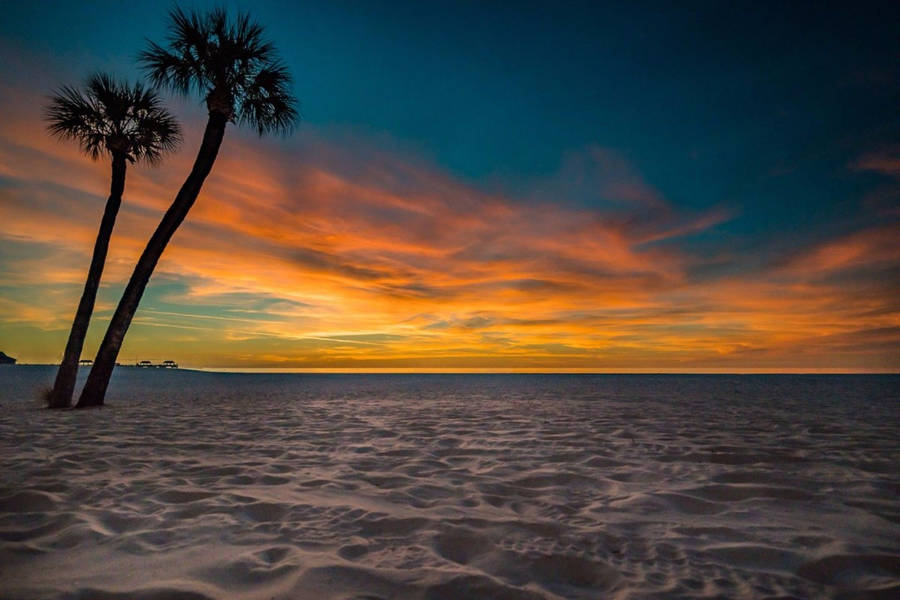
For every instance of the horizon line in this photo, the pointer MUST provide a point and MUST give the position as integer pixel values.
(545, 371)
(529, 370)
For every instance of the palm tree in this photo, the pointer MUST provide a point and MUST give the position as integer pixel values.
(130, 124)
(242, 81)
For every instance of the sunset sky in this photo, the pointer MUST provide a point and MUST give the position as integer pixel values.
(486, 185)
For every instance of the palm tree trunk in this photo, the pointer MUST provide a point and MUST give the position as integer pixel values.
(98, 379)
(64, 386)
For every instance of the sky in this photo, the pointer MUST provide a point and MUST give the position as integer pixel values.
(485, 185)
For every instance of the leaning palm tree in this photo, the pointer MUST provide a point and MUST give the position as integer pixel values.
(241, 80)
(129, 123)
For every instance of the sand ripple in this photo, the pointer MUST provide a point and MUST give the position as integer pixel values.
(198, 486)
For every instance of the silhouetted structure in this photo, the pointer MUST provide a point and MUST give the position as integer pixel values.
(130, 124)
(241, 80)
(166, 364)
(6, 360)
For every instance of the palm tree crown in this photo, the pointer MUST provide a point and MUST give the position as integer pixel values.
(230, 64)
(110, 116)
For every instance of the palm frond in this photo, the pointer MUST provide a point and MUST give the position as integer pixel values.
(267, 104)
(165, 69)
(73, 115)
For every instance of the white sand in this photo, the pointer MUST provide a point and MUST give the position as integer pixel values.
(429, 489)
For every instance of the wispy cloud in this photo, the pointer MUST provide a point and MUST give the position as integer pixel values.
(884, 162)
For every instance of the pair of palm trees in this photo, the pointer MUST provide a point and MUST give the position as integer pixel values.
(239, 76)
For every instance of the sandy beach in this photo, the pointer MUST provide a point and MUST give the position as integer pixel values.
(193, 485)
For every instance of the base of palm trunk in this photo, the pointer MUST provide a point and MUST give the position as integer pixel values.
(89, 401)
(56, 399)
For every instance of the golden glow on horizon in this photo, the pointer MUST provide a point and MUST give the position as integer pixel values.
(559, 371)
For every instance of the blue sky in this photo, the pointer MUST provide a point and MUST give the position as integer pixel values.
(759, 106)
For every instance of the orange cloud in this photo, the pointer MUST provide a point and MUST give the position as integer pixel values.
(871, 247)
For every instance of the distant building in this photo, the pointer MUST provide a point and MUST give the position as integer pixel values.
(86, 362)
(6, 360)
